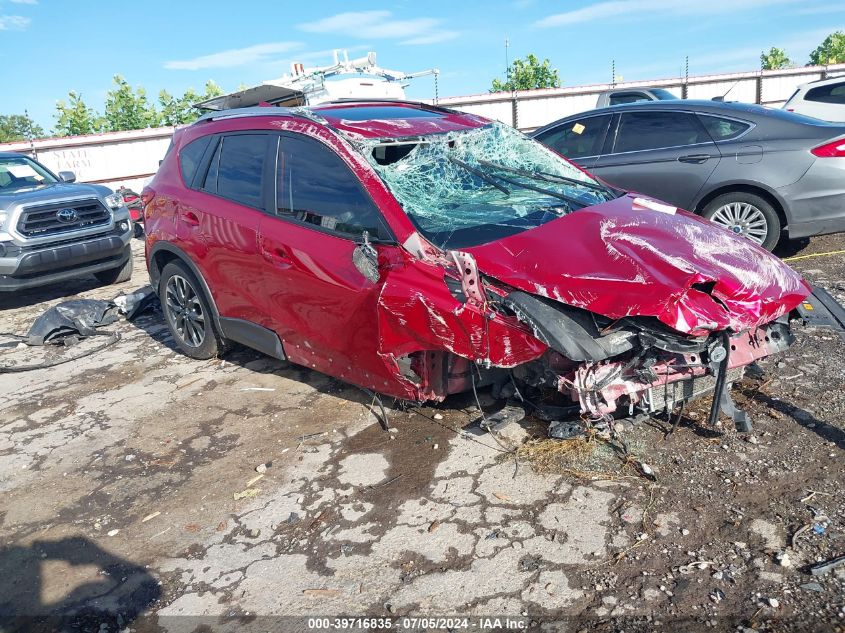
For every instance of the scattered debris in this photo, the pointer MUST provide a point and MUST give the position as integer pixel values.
(812, 586)
(438, 416)
(695, 566)
(113, 532)
(823, 568)
(254, 479)
(262, 468)
(434, 525)
(253, 533)
(249, 493)
(502, 497)
(150, 516)
(258, 389)
(783, 559)
(717, 595)
(566, 429)
(774, 603)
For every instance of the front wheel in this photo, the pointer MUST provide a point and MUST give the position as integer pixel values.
(116, 275)
(747, 215)
(187, 313)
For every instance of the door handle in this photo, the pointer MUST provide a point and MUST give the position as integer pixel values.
(694, 158)
(190, 218)
(277, 255)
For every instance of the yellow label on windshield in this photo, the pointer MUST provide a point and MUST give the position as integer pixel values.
(578, 128)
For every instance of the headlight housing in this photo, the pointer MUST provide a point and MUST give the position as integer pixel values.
(114, 200)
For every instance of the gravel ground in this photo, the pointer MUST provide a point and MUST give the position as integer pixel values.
(131, 499)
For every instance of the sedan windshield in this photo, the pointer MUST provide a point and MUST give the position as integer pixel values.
(471, 187)
(18, 172)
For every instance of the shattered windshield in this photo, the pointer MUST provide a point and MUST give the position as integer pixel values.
(471, 187)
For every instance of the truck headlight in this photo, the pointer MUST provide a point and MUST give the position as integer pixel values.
(115, 201)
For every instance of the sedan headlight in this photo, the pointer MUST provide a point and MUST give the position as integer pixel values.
(115, 201)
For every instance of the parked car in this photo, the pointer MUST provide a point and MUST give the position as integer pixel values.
(823, 99)
(618, 96)
(418, 252)
(53, 229)
(757, 171)
(133, 203)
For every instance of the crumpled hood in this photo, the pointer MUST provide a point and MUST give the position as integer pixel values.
(623, 258)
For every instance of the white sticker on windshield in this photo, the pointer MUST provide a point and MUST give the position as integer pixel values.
(655, 206)
(23, 171)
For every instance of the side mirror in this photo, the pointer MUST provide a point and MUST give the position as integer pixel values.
(365, 259)
(67, 176)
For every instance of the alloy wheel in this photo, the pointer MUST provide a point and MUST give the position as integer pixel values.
(743, 219)
(185, 311)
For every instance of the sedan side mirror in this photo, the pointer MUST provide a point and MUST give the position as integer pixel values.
(67, 176)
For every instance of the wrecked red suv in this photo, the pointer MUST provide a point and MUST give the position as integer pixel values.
(418, 252)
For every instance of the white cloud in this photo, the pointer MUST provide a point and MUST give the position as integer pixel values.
(13, 22)
(645, 8)
(231, 58)
(381, 25)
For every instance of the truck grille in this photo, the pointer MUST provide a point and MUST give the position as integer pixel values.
(60, 217)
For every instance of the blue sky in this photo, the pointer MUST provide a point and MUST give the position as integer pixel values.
(49, 47)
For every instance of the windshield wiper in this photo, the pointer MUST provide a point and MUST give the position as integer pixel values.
(548, 192)
(548, 177)
(480, 174)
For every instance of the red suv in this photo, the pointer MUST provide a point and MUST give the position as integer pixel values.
(418, 252)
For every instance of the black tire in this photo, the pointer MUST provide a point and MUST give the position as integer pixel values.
(186, 310)
(138, 230)
(746, 214)
(116, 275)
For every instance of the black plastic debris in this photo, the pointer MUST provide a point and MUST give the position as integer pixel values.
(822, 310)
(142, 300)
(566, 429)
(77, 318)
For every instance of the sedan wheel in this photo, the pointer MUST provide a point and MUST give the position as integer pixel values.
(743, 219)
(185, 311)
(746, 214)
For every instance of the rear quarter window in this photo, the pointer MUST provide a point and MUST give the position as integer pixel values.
(721, 129)
(190, 157)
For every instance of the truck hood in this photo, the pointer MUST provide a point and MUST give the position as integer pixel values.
(51, 192)
(635, 257)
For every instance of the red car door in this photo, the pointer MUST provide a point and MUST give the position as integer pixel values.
(321, 306)
(220, 220)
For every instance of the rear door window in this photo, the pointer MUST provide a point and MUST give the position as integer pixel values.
(654, 130)
(833, 93)
(577, 139)
(236, 170)
(314, 186)
(721, 129)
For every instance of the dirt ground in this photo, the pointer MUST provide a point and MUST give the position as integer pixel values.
(131, 500)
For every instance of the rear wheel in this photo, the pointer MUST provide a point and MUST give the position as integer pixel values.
(116, 275)
(187, 313)
(747, 215)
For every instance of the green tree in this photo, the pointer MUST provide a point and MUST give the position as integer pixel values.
(527, 74)
(128, 109)
(18, 127)
(775, 59)
(830, 51)
(180, 111)
(74, 117)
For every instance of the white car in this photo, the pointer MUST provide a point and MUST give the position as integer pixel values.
(823, 99)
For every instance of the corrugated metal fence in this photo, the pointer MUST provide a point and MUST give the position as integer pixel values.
(530, 109)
